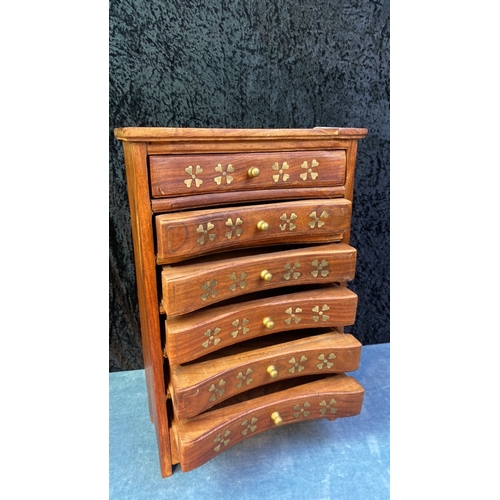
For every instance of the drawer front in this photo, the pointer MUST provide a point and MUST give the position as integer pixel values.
(204, 437)
(197, 334)
(186, 235)
(191, 287)
(199, 386)
(188, 175)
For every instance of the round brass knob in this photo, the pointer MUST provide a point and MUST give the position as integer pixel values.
(268, 322)
(276, 418)
(262, 225)
(253, 172)
(271, 369)
(266, 275)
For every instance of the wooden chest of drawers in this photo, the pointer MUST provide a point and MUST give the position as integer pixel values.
(242, 255)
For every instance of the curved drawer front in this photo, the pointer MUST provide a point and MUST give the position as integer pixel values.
(188, 175)
(187, 235)
(203, 437)
(191, 287)
(198, 334)
(199, 386)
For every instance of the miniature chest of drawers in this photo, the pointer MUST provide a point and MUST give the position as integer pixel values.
(242, 258)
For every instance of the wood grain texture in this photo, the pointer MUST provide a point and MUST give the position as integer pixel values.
(190, 287)
(199, 386)
(194, 335)
(203, 437)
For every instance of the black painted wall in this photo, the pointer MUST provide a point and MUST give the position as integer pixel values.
(255, 64)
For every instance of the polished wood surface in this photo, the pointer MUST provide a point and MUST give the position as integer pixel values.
(241, 245)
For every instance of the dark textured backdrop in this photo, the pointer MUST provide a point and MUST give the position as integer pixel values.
(253, 63)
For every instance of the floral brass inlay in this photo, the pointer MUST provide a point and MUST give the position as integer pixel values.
(217, 390)
(249, 426)
(211, 337)
(234, 229)
(240, 327)
(281, 171)
(316, 220)
(189, 170)
(321, 313)
(222, 440)
(244, 377)
(293, 315)
(310, 171)
(291, 271)
(239, 281)
(320, 271)
(296, 364)
(204, 232)
(323, 361)
(208, 288)
(224, 174)
(301, 412)
(328, 406)
(288, 222)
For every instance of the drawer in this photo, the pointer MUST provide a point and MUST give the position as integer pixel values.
(198, 334)
(187, 235)
(188, 175)
(186, 288)
(204, 437)
(199, 386)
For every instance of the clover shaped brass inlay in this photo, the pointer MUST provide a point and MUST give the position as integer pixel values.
(328, 406)
(320, 268)
(240, 327)
(309, 169)
(239, 281)
(222, 439)
(249, 425)
(224, 174)
(234, 228)
(193, 173)
(281, 171)
(211, 337)
(292, 315)
(217, 390)
(288, 221)
(316, 219)
(301, 412)
(321, 313)
(323, 361)
(291, 271)
(204, 231)
(209, 289)
(296, 364)
(244, 377)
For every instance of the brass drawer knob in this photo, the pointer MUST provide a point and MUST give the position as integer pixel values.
(253, 172)
(266, 275)
(271, 369)
(276, 418)
(262, 225)
(268, 322)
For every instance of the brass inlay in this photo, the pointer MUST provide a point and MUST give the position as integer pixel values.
(301, 412)
(217, 390)
(240, 328)
(244, 377)
(320, 271)
(293, 315)
(291, 271)
(224, 174)
(240, 281)
(250, 426)
(268, 323)
(253, 172)
(189, 170)
(262, 225)
(288, 222)
(234, 227)
(328, 406)
(222, 440)
(275, 416)
(204, 232)
(296, 364)
(211, 337)
(208, 288)
(323, 361)
(316, 219)
(310, 171)
(321, 313)
(266, 275)
(281, 171)
(271, 369)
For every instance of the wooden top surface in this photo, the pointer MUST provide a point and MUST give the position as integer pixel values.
(158, 134)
